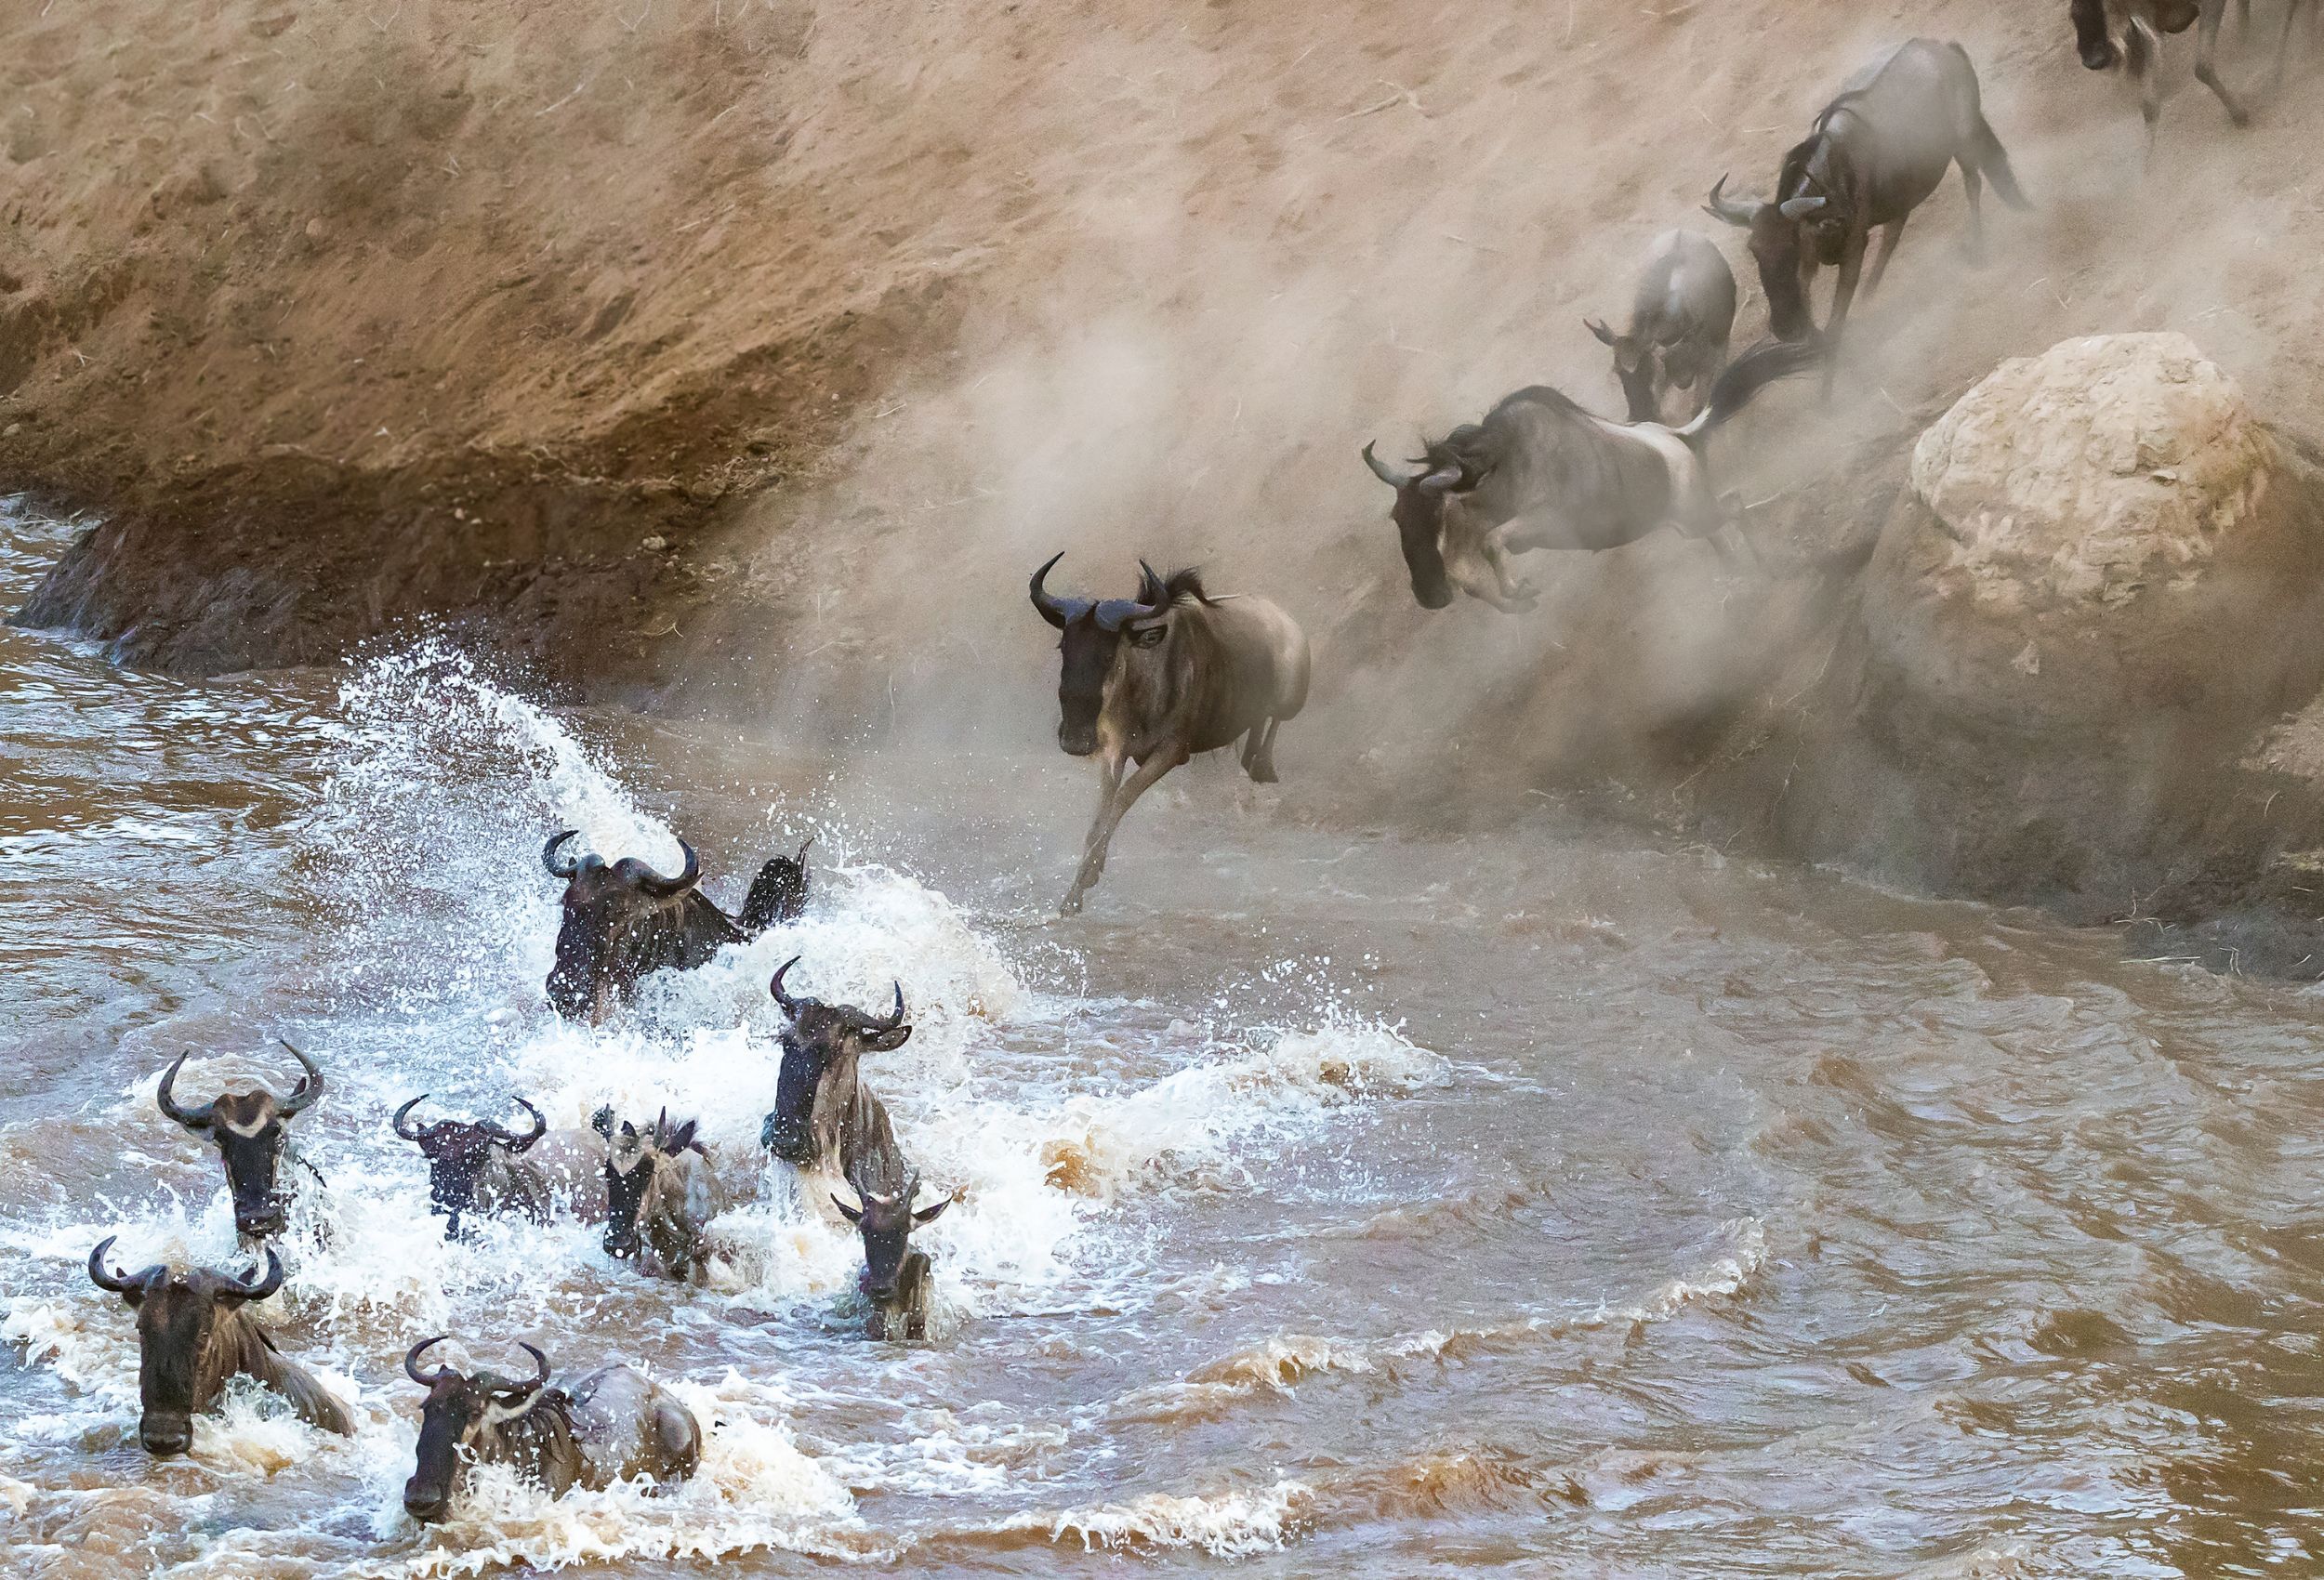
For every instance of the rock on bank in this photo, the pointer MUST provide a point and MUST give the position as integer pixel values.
(2094, 598)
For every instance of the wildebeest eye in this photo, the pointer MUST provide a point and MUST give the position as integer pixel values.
(1148, 636)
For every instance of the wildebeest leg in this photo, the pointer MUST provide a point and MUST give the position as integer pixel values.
(1258, 759)
(1850, 267)
(2143, 47)
(2206, 43)
(1517, 592)
(2284, 43)
(1895, 228)
(1117, 802)
(1109, 780)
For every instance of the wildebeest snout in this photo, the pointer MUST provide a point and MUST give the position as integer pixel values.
(788, 1139)
(1078, 740)
(166, 1433)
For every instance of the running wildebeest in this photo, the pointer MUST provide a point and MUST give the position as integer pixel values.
(896, 1279)
(193, 1334)
(1157, 679)
(1875, 154)
(1542, 472)
(480, 1167)
(2140, 44)
(615, 1425)
(1680, 321)
(250, 1128)
(825, 1117)
(660, 1196)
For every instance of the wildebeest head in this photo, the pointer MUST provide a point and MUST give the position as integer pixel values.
(1418, 512)
(886, 1225)
(1633, 365)
(640, 1171)
(179, 1364)
(459, 1409)
(819, 1038)
(607, 905)
(779, 893)
(249, 1127)
(1090, 632)
(1789, 239)
(457, 1152)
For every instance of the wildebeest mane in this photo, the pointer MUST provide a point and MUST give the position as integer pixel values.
(1156, 590)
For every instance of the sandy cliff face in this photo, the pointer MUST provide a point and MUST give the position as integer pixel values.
(746, 357)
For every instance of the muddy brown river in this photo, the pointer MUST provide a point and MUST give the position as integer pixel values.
(1330, 1201)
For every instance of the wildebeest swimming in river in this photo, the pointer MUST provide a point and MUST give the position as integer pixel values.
(1154, 679)
(1682, 318)
(623, 920)
(193, 1334)
(480, 1168)
(250, 1128)
(1875, 154)
(825, 1117)
(615, 1425)
(2139, 44)
(1542, 472)
(660, 1196)
(898, 1281)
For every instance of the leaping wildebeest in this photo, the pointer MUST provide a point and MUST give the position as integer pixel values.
(623, 920)
(2138, 46)
(193, 1334)
(615, 1425)
(478, 1166)
(825, 1117)
(1874, 156)
(250, 1127)
(1542, 472)
(1681, 319)
(1157, 679)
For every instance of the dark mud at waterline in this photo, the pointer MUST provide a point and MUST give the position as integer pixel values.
(1330, 1203)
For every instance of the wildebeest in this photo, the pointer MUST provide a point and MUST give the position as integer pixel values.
(1542, 472)
(1875, 154)
(193, 1334)
(660, 1195)
(825, 1117)
(896, 1279)
(622, 921)
(1156, 680)
(1680, 321)
(778, 894)
(478, 1166)
(615, 1425)
(250, 1127)
(2142, 23)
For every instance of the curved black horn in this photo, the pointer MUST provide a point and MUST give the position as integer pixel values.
(411, 1363)
(243, 1289)
(540, 1380)
(1382, 470)
(548, 854)
(895, 1016)
(1053, 610)
(802, 857)
(309, 1089)
(517, 1143)
(1734, 211)
(788, 1005)
(1443, 480)
(662, 888)
(117, 1284)
(193, 1119)
(397, 1123)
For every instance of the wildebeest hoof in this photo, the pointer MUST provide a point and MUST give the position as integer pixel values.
(1070, 905)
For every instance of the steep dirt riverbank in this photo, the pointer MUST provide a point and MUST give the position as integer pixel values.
(743, 357)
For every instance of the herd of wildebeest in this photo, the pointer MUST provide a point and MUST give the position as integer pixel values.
(1146, 682)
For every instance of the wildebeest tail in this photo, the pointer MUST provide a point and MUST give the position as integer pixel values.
(1746, 376)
